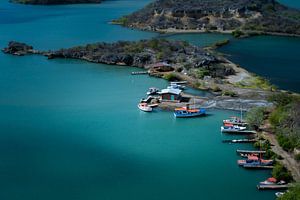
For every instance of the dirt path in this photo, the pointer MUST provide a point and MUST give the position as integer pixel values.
(289, 162)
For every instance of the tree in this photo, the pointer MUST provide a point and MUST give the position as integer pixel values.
(255, 117)
(292, 194)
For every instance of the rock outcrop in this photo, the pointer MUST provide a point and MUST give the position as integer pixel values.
(183, 57)
(260, 16)
(54, 2)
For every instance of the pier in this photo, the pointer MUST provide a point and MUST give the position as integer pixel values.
(250, 151)
(140, 73)
(272, 187)
(258, 167)
(240, 141)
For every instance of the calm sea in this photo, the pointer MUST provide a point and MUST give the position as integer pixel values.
(71, 129)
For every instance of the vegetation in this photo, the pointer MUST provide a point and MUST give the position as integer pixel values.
(285, 120)
(255, 117)
(256, 82)
(238, 33)
(229, 93)
(292, 194)
(255, 16)
(281, 173)
(171, 77)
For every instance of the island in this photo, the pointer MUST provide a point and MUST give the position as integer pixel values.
(240, 17)
(54, 2)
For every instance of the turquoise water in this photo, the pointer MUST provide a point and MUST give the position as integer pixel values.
(72, 130)
(273, 57)
(291, 3)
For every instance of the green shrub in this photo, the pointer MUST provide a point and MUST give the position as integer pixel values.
(292, 194)
(297, 157)
(171, 77)
(281, 173)
(237, 33)
(255, 117)
(285, 142)
(201, 73)
(229, 93)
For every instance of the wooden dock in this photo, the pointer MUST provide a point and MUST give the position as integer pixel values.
(258, 167)
(240, 141)
(250, 151)
(272, 187)
(140, 73)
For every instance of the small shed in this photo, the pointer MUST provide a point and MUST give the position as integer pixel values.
(170, 94)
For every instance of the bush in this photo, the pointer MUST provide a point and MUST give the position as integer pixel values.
(297, 157)
(281, 99)
(237, 33)
(292, 194)
(255, 117)
(229, 93)
(201, 73)
(171, 77)
(286, 143)
(281, 173)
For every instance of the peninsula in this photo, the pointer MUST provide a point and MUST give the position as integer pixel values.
(54, 2)
(227, 16)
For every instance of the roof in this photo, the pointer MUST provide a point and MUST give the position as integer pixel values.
(170, 91)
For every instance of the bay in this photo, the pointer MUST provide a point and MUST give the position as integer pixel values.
(71, 129)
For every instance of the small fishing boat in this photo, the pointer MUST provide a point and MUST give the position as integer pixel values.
(245, 155)
(279, 194)
(185, 112)
(234, 121)
(259, 163)
(144, 107)
(233, 128)
(272, 181)
(176, 86)
(153, 91)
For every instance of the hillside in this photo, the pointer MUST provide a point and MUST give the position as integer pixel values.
(264, 16)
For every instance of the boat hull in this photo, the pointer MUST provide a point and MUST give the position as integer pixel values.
(189, 114)
(145, 108)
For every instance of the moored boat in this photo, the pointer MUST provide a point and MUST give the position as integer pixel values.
(234, 121)
(153, 91)
(233, 128)
(260, 163)
(185, 112)
(144, 107)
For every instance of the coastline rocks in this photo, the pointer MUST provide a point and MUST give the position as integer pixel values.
(180, 55)
(252, 16)
(54, 2)
(18, 48)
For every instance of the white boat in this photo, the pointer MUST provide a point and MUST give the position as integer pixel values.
(152, 91)
(144, 107)
(176, 86)
(279, 194)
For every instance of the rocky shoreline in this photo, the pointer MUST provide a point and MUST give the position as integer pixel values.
(241, 18)
(172, 60)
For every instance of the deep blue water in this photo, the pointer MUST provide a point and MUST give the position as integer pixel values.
(71, 129)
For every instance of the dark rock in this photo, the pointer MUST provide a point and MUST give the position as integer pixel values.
(216, 15)
(17, 48)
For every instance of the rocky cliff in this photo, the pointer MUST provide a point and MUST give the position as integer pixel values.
(54, 2)
(266, 16)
